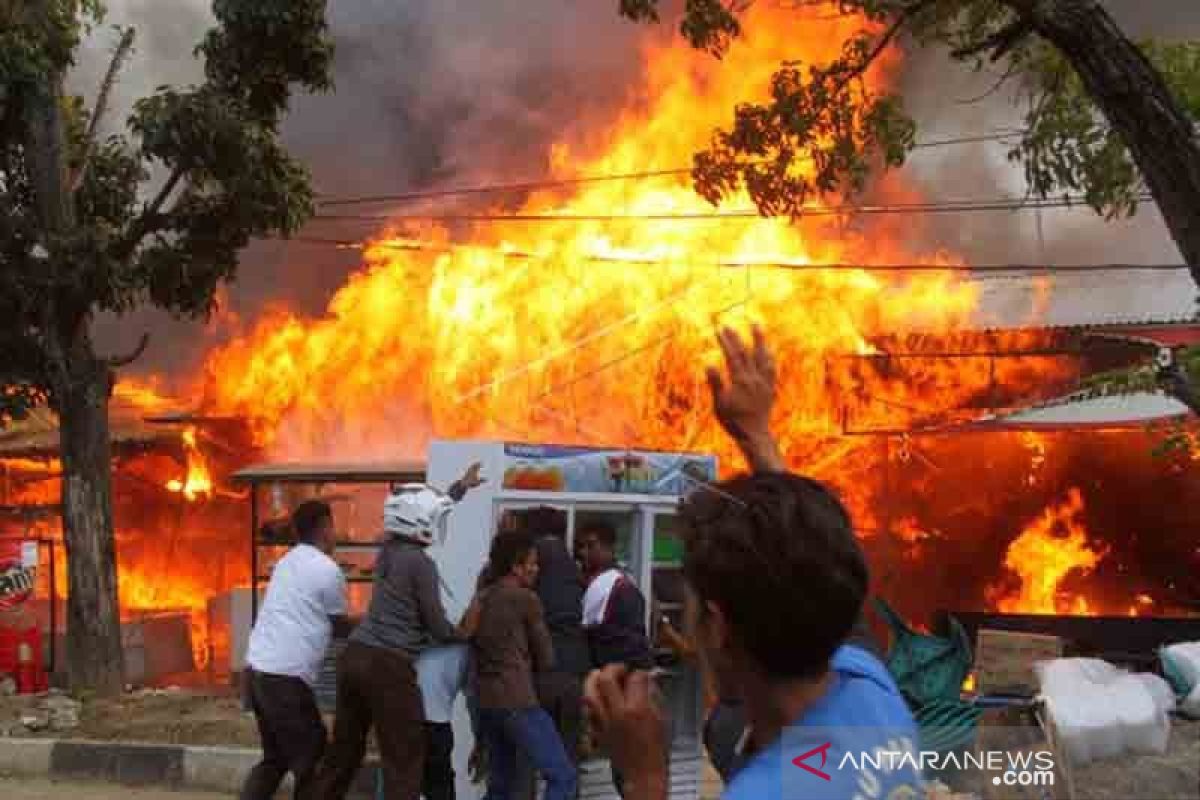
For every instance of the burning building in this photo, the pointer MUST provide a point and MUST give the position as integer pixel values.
(584, 313)
(177, 528)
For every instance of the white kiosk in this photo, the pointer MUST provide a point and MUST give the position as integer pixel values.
(638, 493)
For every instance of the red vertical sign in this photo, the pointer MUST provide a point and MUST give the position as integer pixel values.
(20, 636)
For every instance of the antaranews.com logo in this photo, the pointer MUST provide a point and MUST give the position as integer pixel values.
(895, 768)
(1007, 768)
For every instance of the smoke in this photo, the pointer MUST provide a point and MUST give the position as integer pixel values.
(949, 101)
(426, 95)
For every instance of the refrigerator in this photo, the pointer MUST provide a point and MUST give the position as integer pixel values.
(638, 493)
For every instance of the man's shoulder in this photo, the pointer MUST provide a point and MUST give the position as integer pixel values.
(308, 559)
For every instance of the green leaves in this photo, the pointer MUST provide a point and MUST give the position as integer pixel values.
(822, 132)
(227, 176)
(817, 135)
(261, 47)
(708, 25)
(240, 183)
(1070, 147)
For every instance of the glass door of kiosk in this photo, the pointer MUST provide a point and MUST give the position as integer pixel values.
(680, 680)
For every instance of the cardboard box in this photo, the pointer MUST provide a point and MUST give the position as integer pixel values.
(1004, 660)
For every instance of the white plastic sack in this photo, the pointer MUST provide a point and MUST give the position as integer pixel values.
(1145, 727)
(1063, 675)
(1159, 689)
(1101, 711)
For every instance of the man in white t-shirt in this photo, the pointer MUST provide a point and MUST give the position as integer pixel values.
(305, 606)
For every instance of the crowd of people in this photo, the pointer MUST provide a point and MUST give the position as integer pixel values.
(555, 642)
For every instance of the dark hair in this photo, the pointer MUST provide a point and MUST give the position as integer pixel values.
(509, 548)
(777, 554)
(546, 521)
(307, 518)
(604, 532)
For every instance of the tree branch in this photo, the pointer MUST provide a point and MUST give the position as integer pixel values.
(1000, 42)
(148, 219)
(888, 36)
(124, 361)
(110, 78)
(996, 87)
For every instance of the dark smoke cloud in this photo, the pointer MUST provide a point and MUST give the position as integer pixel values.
(427, 95)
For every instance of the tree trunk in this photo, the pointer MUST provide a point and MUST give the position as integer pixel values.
(1138, 104)
(79, 384)
(94, 656)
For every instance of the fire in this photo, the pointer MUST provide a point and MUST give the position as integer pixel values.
(1049, 549)
(198, 481)
(596, 331)
(159, 547)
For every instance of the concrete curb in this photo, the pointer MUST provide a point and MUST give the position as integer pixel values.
(213, 769)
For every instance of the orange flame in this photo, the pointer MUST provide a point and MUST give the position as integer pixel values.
(198, 481)
(1049, 549)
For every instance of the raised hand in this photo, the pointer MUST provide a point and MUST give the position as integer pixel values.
(744, 397)
(471, 478)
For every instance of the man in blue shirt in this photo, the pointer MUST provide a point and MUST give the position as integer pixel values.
(775, 583)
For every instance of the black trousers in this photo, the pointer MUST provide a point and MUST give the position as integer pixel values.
(437, 781)
(376, 689)
(292, 733)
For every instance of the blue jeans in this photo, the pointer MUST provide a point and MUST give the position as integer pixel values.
(531, 732)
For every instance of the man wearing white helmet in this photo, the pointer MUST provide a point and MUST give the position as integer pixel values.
(377, 681)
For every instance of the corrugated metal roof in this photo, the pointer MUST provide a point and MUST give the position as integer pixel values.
(1089, 410)
(1066, 300)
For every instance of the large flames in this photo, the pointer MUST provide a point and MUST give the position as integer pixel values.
(596, 331)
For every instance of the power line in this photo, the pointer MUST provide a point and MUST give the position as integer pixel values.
(1021, 269)
(943, 207)
(550, 183)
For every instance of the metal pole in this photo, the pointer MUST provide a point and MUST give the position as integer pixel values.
(253, 552)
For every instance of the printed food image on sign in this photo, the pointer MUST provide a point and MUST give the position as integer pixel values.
(543, 479)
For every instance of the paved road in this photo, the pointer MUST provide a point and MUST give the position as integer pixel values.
(27, 789)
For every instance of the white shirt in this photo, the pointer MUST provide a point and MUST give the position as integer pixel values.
(441, 673)
(596, 597)
(293, 628)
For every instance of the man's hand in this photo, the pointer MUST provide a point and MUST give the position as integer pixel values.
(629, 723)
(471, 478)
(743, 402)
